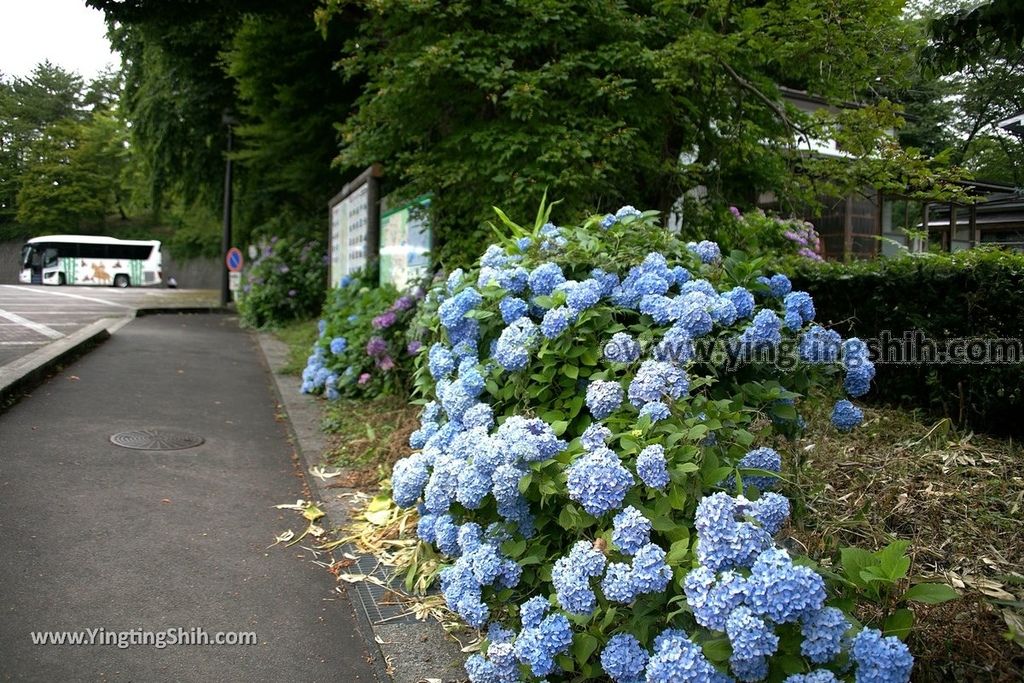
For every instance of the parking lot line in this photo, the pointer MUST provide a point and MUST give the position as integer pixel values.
(70, 296)
(34, 326)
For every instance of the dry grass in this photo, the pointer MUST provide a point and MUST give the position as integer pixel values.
(957, 497)
(367, 437)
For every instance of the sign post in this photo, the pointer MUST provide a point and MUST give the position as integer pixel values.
(233, 260)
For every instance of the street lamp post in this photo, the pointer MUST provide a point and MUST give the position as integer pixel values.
(225, 294)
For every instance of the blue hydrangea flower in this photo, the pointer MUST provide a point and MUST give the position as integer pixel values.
(651, 466)
(758, 459)
(419, 437)
(598, 481)
(651, 573)
(515, 343)
(480, 415)
(723, 311)
(607, 221)
(823, 632)
(858, 379)
(631, 530)
(764, 330)
(656, 410)
(691, 312)
(778, 285)
(617, 584)
(749, 635)
(556, 321)
(533, 610)
(446, 535)
(659, 307)
(512, 308)
(712, 598)
(818, 676)
(627, 212)
(676, 346)
(700, 286)
(472, 488)
(454, 280)
(680, 276)
(453, 310)
(513, 279)
(571, 576)
(799, 309)
(781, 591)
(881, 660)
(818, 345)
(749, 670)
(408, 478)
(656, 379)
(505, 484)
(338, 345)
(608, 281)
(440, 361)
(771, 511)
(722, 541)
(603, 398)
(742, 299)
(583, 295)
(544, 278)
(480, 670)
(595, 436)
(706, 250)
(677, 658)
(538, 646)
(528, 439)
(494, 257)
(623, 659)
(846, 416)
(622, 348)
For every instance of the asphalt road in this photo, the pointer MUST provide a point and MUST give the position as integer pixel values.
(33, 316)
(95, 536)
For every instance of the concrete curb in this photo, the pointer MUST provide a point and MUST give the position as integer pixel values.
(410, 652)
(29, 371)
(183, 310)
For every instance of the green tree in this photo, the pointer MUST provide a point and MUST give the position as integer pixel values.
(28, 106)
(72, 174)
(601, 102)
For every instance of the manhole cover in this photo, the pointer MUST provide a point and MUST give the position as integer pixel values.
(156, 440)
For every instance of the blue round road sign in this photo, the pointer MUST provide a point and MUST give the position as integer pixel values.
(233, 259)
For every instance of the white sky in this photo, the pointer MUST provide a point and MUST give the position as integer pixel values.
(66, 32)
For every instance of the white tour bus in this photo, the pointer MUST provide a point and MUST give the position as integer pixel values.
(91, 260)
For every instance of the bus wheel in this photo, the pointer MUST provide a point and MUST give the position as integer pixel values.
(121, 280)
(61, 280)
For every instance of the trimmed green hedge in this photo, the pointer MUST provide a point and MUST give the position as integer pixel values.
(975, 295)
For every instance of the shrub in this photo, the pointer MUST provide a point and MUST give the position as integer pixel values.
(286, 282)
(594, 460)
(362, 348)
(972, 295)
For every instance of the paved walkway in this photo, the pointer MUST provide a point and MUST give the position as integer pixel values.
(97, 536)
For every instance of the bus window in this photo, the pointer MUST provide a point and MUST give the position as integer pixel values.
(92, 251)
(50, 258)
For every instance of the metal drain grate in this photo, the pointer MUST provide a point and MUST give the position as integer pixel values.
(156, 440)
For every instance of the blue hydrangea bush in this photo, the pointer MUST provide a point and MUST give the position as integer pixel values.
(595, 461)
(363, 347)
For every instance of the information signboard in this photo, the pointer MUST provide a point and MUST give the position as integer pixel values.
(405, 243)
(354, 217)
